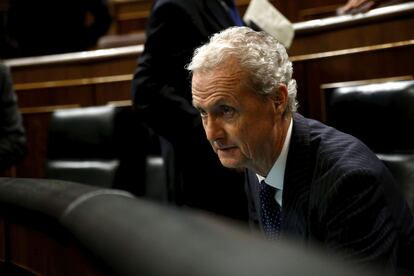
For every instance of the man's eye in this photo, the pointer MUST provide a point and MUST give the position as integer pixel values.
(227, 110)
(202, 113)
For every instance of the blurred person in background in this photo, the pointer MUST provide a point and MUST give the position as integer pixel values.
(12, 135)
(161, 92)
(49, 27)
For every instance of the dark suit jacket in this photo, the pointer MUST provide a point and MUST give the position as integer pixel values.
(12, 135)
(162, 95)
(162, 85)
(339, 194)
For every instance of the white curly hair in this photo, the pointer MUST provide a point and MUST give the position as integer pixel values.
(262, 56)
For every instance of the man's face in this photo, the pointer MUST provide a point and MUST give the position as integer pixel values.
(241, 126)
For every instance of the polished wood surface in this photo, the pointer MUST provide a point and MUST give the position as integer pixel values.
(302, 10)
(382, 25)
(82, 92)
(96, 63)
(129, 15)
(77, 79)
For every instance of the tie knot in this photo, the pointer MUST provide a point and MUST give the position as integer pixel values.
(266, 190)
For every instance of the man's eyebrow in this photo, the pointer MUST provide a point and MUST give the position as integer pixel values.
(220, 101)
(214, 103)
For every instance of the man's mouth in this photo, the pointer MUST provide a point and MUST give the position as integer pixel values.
(218, 146)
(226, 148)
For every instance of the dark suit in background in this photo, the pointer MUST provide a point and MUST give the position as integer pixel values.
(12, 135)
(339, 194)
(48, 27)
(162, 93)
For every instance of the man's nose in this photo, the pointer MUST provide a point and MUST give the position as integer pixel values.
(213, 128)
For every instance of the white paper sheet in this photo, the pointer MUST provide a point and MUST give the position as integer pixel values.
(263, 14)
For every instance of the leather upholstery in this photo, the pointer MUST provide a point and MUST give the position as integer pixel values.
(78, 137)
(47, 196)
(402, 167)
(382, 116)
(103, 146)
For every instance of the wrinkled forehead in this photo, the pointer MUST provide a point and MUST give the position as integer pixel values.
(226, 77)
(228, 69)
(220, 87)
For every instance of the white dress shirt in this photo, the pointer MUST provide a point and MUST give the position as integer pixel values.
(277, 172)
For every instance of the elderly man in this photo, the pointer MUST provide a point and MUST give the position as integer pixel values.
(304, 179)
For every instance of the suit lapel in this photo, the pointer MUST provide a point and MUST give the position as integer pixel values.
(296, 189)
(252, 185)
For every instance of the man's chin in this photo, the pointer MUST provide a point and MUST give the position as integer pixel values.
(230, 164)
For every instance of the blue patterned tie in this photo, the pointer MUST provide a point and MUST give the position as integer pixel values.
(270, 211)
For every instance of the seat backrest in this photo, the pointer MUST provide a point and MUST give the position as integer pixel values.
(402, 168)
(103, 146)
(109, 147)
(81, 146)
(382, 116)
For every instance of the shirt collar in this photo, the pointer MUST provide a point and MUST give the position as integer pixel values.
(277, 172)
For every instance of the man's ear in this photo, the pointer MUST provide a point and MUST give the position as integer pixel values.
(281, 98)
